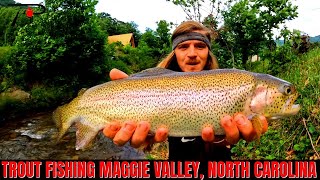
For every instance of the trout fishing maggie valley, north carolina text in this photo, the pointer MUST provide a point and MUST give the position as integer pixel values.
(159, 169)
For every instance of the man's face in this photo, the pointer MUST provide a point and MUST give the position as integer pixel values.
(192, 55)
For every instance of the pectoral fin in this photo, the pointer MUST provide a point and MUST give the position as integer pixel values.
(257, 126)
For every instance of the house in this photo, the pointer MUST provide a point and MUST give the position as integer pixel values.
(254, 58)
(125, 39)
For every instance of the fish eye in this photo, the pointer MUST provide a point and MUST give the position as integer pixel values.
(287, 90)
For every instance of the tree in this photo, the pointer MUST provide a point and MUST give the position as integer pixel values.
(12, 19)
(241, 23)
(112, 26)
(6, 2)
(198, 9)
(63, 47)
(152, 46)
(158, 41)
(164, 35)
(251, 23)
(273, 13)
(247, 25)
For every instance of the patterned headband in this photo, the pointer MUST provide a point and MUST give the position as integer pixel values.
(190, 36)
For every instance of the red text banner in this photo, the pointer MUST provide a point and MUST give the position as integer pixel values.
(158, 169)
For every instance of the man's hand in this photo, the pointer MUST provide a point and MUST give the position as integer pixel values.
(138, 133)
(240, 126)
(135, 133)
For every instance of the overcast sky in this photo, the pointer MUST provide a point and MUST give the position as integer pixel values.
(145, 13)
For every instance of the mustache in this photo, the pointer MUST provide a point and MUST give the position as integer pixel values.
(193, 62)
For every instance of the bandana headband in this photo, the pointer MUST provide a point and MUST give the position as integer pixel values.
(190, 36)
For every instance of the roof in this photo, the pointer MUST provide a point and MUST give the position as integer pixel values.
(125, 39)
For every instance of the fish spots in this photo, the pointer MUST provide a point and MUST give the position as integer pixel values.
(278, 99)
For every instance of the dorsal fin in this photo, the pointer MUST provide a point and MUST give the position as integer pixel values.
(81, 91)
(152, 72)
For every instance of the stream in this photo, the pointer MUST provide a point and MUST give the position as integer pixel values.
(33, 138)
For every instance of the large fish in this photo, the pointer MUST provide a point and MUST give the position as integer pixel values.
(184, 102)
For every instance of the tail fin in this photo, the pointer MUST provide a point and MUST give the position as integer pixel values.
(56, 116)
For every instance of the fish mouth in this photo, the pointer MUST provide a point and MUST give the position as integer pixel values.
(289, 112)
(293, 110)
(289, 107)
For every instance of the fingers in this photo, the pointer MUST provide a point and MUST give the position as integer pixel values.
(124, 134)
(161, 134)
(231, 129)
(238, 125)
(136, 133)
(111, 130)
(245, 127)
(116, 74)
(140, 134)
(207, 134)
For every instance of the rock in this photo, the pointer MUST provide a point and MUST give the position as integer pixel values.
(17, 94)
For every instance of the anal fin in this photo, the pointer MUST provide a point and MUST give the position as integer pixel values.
(85, 135)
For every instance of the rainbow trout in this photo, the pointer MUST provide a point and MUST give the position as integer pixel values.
(184, 102)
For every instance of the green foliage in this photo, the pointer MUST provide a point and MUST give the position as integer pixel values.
(129, 59)
(54, 60)
(262, 66)
(9, 107)
(249, 24)
(6, 2)
(163, 35)
(225, 55)
(60, 52)
(157, 41)
(152, 46)
(69, 52)
(274, 13)
(282, 55)
(65, 49)
(305, 74)
(5, 53)
(45, 98)
(270, 147)
(7, 30)
(113, 60)
(42, 99)
(112, 26)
